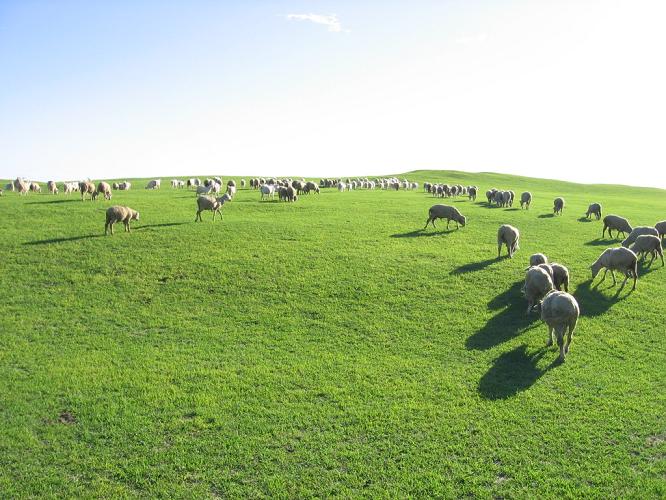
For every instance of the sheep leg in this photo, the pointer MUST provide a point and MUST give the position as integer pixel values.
(560, 341)
(427, 222)
(550, 336)
(448, 221)
(499, 250)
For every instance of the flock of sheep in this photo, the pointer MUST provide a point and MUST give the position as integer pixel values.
(543, 280)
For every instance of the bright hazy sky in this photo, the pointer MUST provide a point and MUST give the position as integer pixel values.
(573, 90)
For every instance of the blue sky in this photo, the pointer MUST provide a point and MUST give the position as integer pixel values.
(566, 89)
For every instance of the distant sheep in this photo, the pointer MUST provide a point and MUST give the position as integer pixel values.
(119, 214)
(231, 189)
(445, 212)
(154, 184)
(617, 259)
(103, 188)
(620, 224)
(560, 312)
(21, 186)
(35, 187)
(471, 193)
(648, 243)
(538, 258)
(243, 182)
(52, 187)
(509, 236)
(558, 206)
(87, 188)
(537, 284)
(124, 186)
(525, 200)
(267, 191)
(639, 231)
(594, 209)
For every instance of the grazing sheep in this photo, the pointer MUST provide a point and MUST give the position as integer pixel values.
(661, 228)
(639, 231)
(204, 189)
(51, 186)
(445, 212)
(231, 183)
(243, 183)
(509, 236)
(119, 214)
(21, 186)
(538, 258)
(560, 276)
(594, 209)
(124, 186)
(490, 195)
(620, 224)
(471, 193)
(617, 259)
(87, 188)
(223, 199)
(267, 191)
(103, 188)
(154, 184)
(560, 312)
(648, 243)
(538, 283)
(35, 187)
(207, 203)
(558, 206)
(512, 195)
(9, 186)
(525, 200)
(231, 189)
(116, 186)
(70, 187)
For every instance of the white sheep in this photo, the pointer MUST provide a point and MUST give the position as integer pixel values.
(267, 191)
(445, 212)
(537, 284)
(207, 203)
(52, 187)
(103, 188)
(119, 214)
(648, 243)
(86, 188)
(558, 206)
(594, 209)
(538, 258)
(617, 259)
(620, 224)
(558, 273)
(509, 236)
(243, 184)
(525, 200)
(231, 190)
(639, 231)
(560, 312)
(35, 187)
(21, 186)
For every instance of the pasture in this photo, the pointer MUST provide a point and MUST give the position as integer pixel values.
(327, 347)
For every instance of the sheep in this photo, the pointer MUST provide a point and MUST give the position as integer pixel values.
(35, 187)
(52, 187)
(638, 231)
(267, 191)
(538, 258)
(471, 193)
(558, 206)
(560, 312)
(620, 224)
(21, 186)
(512, 195)
(103, 188)
(648, 243)
(116, 186)
(223, 199)
(560, 276)
(231, 183)
(9, 186)
(661, 228)
(593, 209)
(243, 182)
(86, 188)
(69, 187)
(124, 186)
(231, 189)
(537, 284)
(525, 200)
(154, 184)
(490, 195)
(617, 259)
(509, 236)
(203, 190)
(119, 214)
(207, 203)
(445, 212)
(341, 186)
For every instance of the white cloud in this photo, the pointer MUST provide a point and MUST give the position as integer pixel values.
(472, 39)
(330, 20)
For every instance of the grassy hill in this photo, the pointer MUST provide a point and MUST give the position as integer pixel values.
(326, 347)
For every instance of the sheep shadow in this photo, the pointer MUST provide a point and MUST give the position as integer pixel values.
(51, 201)
(593, 302)
(585, 219)
(513, 372)
(166, 224)
(546, 216)
(422, 232)
(474, 266)
(599, 242)
(505, 325)
(63, 240)
(512, 209)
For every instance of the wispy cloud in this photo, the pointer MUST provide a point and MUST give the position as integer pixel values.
(472, 39)
(330, 20)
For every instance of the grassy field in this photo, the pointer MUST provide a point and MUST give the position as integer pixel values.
(323, 348)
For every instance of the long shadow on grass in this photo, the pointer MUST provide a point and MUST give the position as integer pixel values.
(593, 302)
(474, 266)
(166, 224)
(584, 219)
(546, 216)
(513, 372)
(421, 232)
(51, 202)
(63, 240)
(599, 242)
(506, 324)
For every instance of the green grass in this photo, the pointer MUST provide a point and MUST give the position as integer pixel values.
(321, 348)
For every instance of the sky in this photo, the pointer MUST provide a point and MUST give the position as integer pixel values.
(572, 90)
